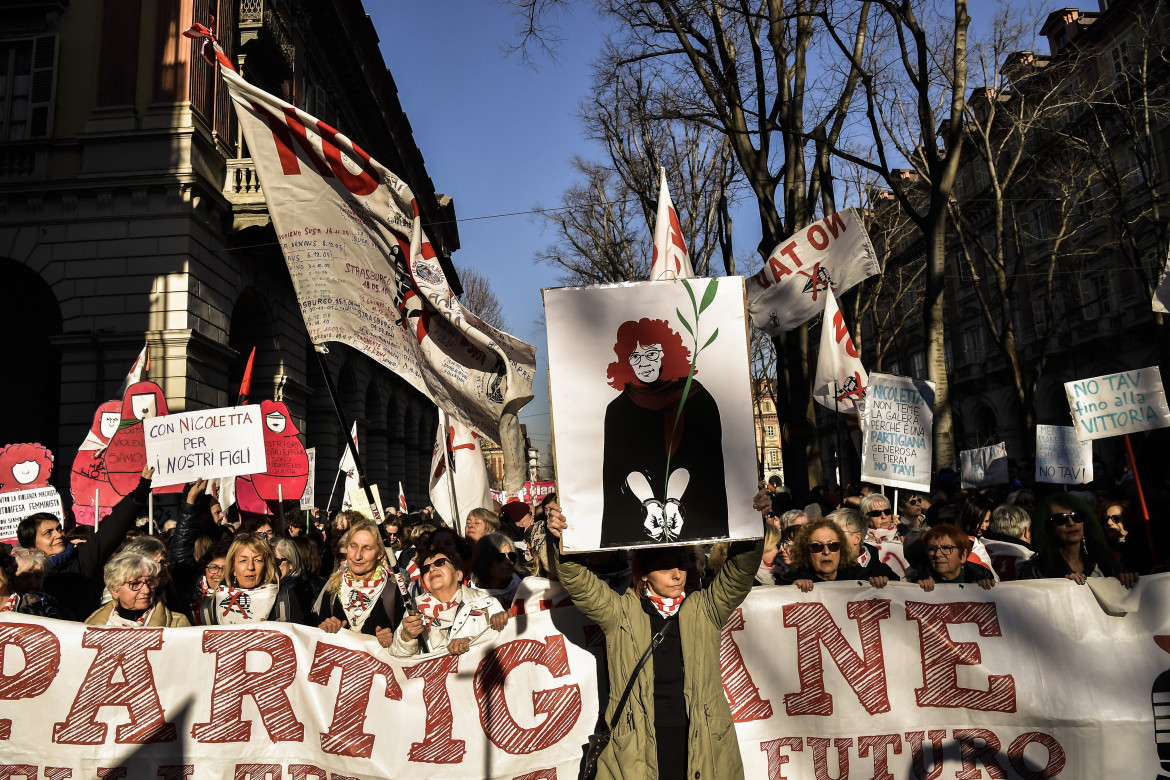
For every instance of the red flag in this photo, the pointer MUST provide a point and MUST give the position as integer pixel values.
(246, 382)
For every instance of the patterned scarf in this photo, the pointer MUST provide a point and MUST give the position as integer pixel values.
(242, 605)
(10, 604)
(117, 620)
(431, 608)
(666, 607)
(203, 588)
(357, 595)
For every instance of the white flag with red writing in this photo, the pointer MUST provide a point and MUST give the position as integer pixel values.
(833, 253)
(365, 274)
(459, 478)
(671, 260)
(348, 466)
(841, 378)
(137, 371)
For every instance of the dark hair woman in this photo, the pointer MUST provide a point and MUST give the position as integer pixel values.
(690, 733)
(662, 416)
(494, 568)
(1070, 543)
(947, 548)
(1127, 539)
(822, 552)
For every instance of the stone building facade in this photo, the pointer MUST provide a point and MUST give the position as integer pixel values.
(130, 213)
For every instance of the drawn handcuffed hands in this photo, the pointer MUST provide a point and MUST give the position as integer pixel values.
(652, 520)
(672, 515)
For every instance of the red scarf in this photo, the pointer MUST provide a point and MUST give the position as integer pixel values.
(431, 608)
(666, 607)
(10, 604)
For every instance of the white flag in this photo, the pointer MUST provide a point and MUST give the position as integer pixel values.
(841, 378)
(459, 478)
(134, 376)
(671, 260)
(402, 499)
(1161, 301)
(349, 467)
(831, 254)
(366, 276)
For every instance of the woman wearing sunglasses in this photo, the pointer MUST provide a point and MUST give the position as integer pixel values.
(821, 552)
(947, 550)
(452, 613)
(883, 523)
(494, 568)
(133, 580)
(1070, 543)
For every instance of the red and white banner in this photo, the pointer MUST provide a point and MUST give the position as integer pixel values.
(365, 274)
(841, 379)
(459, 478)
(671, 259)
(531, 493)
(833, 253)
(844, 682)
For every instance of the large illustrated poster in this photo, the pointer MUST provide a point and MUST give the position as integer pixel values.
(651, 407)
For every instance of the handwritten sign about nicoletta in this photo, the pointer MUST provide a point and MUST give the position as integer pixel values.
(897, 423)
(211, 443)
(1115, 404)
(1061, 457)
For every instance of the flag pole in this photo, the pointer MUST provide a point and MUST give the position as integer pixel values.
(376, 510)
(96, 521)
(280, 503)
(329, 503)
(1141, 494)
(837, 429)
(448, 461)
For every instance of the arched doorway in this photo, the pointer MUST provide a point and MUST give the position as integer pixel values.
(32, 393)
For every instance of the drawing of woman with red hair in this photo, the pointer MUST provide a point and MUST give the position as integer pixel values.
(662, 471)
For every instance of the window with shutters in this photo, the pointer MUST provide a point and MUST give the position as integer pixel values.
(26, 87)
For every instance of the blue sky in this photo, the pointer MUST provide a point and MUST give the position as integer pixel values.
(498, 137)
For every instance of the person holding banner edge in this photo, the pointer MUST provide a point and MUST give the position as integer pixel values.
(356, 596)
(678, 723)
(1069, 543)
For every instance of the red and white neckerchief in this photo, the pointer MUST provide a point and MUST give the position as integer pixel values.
(413, 574)
(242, 605)
(204, 587)
(357, 595)
(431, 608)
(10, 604)
(667, 607)
(863, 559)
(117, 620)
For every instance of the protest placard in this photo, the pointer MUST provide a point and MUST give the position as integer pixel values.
(205, 444)
(359, 503)
(896, 432)
(18, 505)
(1061, 457)
(651, 403)
(984, 466)
(309, 497)
(1116, 404)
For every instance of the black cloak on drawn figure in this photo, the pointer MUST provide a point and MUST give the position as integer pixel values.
(643, 504)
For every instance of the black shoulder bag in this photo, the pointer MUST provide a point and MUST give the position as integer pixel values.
(600, 738)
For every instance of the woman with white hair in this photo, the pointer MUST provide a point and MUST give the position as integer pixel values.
(883, 523)
(133, 581)
(301, 586)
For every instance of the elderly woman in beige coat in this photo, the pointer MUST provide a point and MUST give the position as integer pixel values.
(676, 723)
(133, 580)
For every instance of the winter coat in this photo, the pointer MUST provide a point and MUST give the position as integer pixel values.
(972, 572)
(42, 605)
(468, 620)
(712, 747)
(386, 612)
(160, 618)
(78, 581)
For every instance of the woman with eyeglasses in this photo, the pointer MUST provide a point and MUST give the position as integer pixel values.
(1070, 543)
(133, 581)
(494, 568)
(453, 614)
(947, 548)
(361, 596)
(821, 552)
(883, 523)
(249, 592)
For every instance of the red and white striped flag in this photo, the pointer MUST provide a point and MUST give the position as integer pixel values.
(671, 260)
(402, 499)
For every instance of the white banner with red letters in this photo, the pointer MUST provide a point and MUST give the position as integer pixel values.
(833, 253)
(1028, 680)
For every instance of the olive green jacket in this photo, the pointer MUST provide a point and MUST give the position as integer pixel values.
(713, 751)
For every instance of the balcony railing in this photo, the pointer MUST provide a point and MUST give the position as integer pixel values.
(23, 160)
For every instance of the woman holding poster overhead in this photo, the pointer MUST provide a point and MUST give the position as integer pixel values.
(673, 720)
(662, 469)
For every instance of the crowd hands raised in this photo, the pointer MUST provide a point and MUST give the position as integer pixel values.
(212, 567)
(217, 568)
